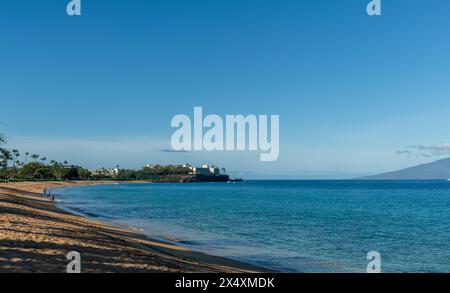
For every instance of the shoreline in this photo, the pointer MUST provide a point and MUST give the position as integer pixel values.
(35, 236)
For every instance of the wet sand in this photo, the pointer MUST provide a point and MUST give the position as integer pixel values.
(35, 236)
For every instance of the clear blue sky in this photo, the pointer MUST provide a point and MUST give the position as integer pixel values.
(351, 90)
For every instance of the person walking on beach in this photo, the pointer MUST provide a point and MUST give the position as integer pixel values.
(47, 191)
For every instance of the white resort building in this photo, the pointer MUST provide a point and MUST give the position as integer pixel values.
(204, 170)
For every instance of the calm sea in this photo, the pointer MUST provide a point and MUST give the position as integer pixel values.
(290, 226)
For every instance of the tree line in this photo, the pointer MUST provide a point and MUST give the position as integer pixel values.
(18, 166)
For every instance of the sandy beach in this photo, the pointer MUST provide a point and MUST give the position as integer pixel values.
(35, 236)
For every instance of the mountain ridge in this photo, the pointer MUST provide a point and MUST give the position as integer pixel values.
(437, 170)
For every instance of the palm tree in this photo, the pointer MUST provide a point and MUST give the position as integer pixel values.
(16, 155)
(43, 159)
(4, 154)
(2, 140)
(35, 157)
(26, 157)
(5, 157)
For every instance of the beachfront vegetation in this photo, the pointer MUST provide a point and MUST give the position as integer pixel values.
(14, 167)
(40, 171)
(155, 173)
(23, 166)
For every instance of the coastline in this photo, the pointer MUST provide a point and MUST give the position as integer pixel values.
(35, 236)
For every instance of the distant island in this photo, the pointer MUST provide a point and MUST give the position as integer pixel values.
(438, 170)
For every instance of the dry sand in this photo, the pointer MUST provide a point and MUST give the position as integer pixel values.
(36, 237)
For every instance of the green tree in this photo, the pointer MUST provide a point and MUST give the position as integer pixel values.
(5, 157)
(43, 172)
(57, 170)
(36, 170)
(71, 174)
(16, 154)
(16, 161)
(35, 157)
(84, 174)
(2, 141)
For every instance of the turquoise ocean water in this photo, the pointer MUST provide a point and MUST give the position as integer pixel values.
(290, 226)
